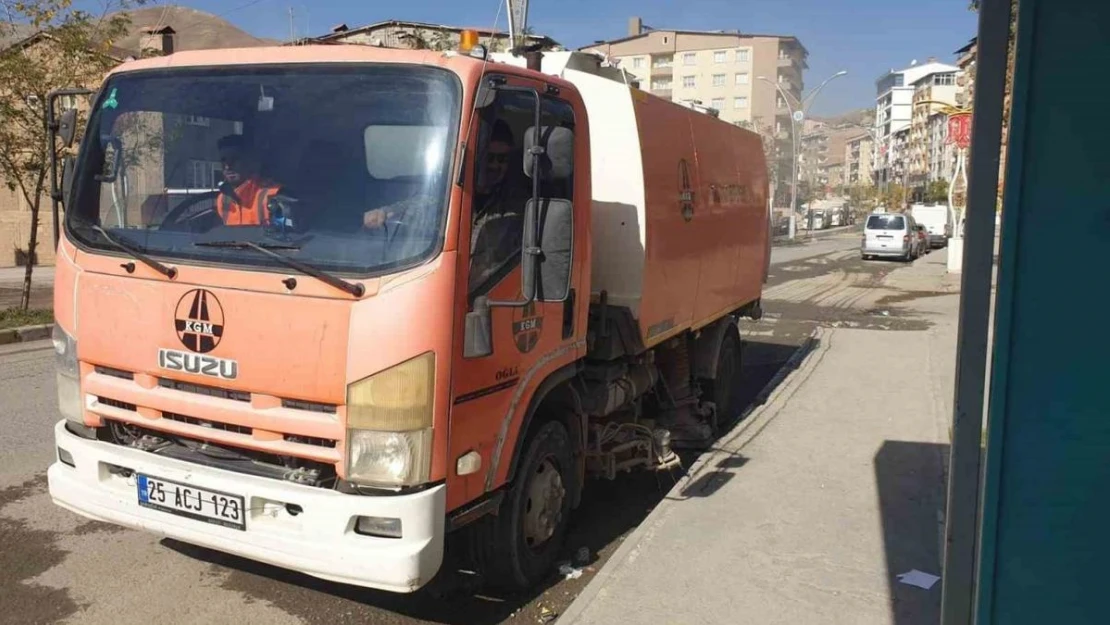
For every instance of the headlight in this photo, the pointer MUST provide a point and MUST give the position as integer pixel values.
(389, 425)
(68, 376)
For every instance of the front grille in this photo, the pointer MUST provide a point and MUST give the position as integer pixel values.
(309, 406)
(115, 373)
(122, 405)
(200, 389)
(226, 427)
(310, 440)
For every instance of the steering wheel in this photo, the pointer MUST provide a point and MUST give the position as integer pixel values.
(176, 217)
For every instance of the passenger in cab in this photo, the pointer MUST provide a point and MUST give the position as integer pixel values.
(244, 194)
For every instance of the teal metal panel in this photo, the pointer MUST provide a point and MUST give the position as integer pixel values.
(1045, 551)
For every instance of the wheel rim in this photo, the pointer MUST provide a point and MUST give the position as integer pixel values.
(543, 504)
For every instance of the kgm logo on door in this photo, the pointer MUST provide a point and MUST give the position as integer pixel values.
(199, 323)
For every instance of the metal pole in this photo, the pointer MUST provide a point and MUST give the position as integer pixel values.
(960, 584)
(804, 105)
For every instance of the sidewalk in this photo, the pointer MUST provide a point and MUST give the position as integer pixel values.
(808, 510)
(42, 286)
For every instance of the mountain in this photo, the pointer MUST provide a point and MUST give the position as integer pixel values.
(195, 30)
(863, 117)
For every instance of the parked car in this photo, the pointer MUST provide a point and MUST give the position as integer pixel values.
(923, 244)
(889, 235)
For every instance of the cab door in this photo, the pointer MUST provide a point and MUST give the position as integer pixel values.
(527, 341)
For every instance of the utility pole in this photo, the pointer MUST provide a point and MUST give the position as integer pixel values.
(292, 29)
(797, 116)
(518, 22)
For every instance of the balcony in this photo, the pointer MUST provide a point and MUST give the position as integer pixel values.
(662, 93)
(662, 70)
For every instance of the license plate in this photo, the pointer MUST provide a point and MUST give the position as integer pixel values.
(201, 504)
(883, 236)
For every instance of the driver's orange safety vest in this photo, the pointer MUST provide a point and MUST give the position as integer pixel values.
(255, 196)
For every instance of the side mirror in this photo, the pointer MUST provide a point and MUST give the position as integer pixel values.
(67, 127)
(554, 151)
(67, 177)
(478, 333)
(552, 267)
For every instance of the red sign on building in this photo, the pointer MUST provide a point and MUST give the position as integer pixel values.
(959, 130)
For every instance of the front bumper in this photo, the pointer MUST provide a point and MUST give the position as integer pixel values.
(938, 240)
(320, 541)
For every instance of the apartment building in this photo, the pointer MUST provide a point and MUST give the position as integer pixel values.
(719, 69)
(965, 60)
(822, 154)
(858, 159)
(894, 103)
(928, 155)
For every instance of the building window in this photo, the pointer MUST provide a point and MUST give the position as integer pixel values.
(717, 103)
(742, 78)
(637, 62)
(690, 58)
(661, 84)
(689, 82)
(741, 102)
(944, 80)
(718, 80)
(196, 120)
(662, 61)
(720, 56)
(743, 56)
(203, 174)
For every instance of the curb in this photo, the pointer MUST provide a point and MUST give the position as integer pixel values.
(816, 235)
(757, 416)
(26, 334)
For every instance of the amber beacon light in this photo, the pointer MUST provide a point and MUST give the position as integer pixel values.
(467, 40)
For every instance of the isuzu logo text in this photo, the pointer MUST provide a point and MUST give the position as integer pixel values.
(173, 360)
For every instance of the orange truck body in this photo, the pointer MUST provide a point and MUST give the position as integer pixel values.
(680, 263)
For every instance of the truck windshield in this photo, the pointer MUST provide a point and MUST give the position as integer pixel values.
(347, 167)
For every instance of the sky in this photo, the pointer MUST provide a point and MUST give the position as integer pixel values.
(865, 37)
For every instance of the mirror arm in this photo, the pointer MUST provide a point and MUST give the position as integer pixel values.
(530, 251)
(51, 124)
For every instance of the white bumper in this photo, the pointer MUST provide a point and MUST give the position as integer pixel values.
(320, 541)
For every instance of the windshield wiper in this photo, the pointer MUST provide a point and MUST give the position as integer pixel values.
(133, 250)
(353, 288)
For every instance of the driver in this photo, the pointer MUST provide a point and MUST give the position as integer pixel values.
(244, 193)
(492, 193)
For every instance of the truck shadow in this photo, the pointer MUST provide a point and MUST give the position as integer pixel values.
(609, 511)
(910, 477)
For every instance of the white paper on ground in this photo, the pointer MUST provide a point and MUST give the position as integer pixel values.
(919, 579)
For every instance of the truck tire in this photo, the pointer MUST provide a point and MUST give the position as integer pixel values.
(724, 390)
(517, 548)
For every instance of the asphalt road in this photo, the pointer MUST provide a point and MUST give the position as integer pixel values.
(56, 566)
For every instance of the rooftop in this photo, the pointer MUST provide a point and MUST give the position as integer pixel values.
(342, 30)
(648, 30)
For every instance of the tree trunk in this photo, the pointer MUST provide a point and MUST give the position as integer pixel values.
(32, 243)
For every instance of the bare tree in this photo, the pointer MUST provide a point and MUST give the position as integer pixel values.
(68, 48)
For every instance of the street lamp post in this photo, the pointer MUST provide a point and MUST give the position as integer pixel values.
(796, 116)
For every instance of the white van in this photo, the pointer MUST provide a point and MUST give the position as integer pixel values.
(889, 235)
(937, 219)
